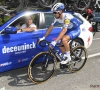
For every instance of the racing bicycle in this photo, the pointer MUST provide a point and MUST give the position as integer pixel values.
(43, 65)
(46, 4)
(24, 4)
(69, 4)
(75, 5)
(9, 6)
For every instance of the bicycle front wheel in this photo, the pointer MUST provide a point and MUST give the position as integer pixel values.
(42, 67)
(81, 4)
(47, 3)
(12, 5)
(78, 58)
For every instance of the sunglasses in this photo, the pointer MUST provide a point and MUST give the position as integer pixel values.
(55, 12)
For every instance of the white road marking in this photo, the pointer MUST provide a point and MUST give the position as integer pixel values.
(93, 55)
(96, 54)
(96, 38)
(2, 88)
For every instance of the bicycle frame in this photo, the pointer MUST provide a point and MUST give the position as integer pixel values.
(46, 68)
(55, 52)
(52, 51)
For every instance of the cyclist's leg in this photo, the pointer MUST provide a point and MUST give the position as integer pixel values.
(71, 34)
(62, 49)
(65, 50)
(66, 38)
(64, 41)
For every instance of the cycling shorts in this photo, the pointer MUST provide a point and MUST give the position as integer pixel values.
(73, 33)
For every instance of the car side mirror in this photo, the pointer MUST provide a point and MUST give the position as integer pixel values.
(10, 30)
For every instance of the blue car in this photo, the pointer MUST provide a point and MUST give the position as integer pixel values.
(17, 49)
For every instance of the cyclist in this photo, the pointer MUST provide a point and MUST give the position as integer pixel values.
(70, 30)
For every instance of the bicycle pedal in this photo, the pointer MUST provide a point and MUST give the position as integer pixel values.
(62, 66)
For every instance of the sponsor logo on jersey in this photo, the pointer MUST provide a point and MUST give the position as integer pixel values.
(66, 21)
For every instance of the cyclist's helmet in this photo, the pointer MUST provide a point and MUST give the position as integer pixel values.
(58, 7)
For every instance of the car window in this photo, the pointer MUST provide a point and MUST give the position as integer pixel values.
(20, 21)
(79, 19)
(36, 20)
(49, 18)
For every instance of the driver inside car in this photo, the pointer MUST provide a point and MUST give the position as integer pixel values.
(29, 26)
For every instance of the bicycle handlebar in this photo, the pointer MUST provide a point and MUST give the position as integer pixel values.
(43, 43)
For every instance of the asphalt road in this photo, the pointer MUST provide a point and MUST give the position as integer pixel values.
(86, 79)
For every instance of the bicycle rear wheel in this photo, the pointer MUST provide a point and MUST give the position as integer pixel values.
(42, 67)
(78, 58)
(81, 4)
(11, 5)
(47, 3)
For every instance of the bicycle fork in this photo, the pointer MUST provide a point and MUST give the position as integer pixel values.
(46, 62)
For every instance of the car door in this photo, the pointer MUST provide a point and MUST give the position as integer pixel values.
(18, 49)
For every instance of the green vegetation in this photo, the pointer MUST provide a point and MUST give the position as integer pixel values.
(5, 19)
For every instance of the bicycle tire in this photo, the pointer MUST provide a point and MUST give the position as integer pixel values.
(93, 6)
(78, 57)
(31, 1)
(47, 3)
(13, 6)
(76, 42)
(37, 73)
(76, 4)
(20, 6)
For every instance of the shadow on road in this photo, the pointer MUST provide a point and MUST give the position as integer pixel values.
(19, 77)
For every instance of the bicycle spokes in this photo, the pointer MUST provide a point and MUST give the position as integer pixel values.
(78, 59)
(42, 68)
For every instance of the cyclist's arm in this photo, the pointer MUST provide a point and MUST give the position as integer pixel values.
(62, 33)
(48, 31)
(64, 29)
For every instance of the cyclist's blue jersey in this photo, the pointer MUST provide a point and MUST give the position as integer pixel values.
(71, 24)
(68, 21)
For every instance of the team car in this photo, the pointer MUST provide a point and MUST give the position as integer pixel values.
(17, 49)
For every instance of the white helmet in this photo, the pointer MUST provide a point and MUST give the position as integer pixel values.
(58, 7)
